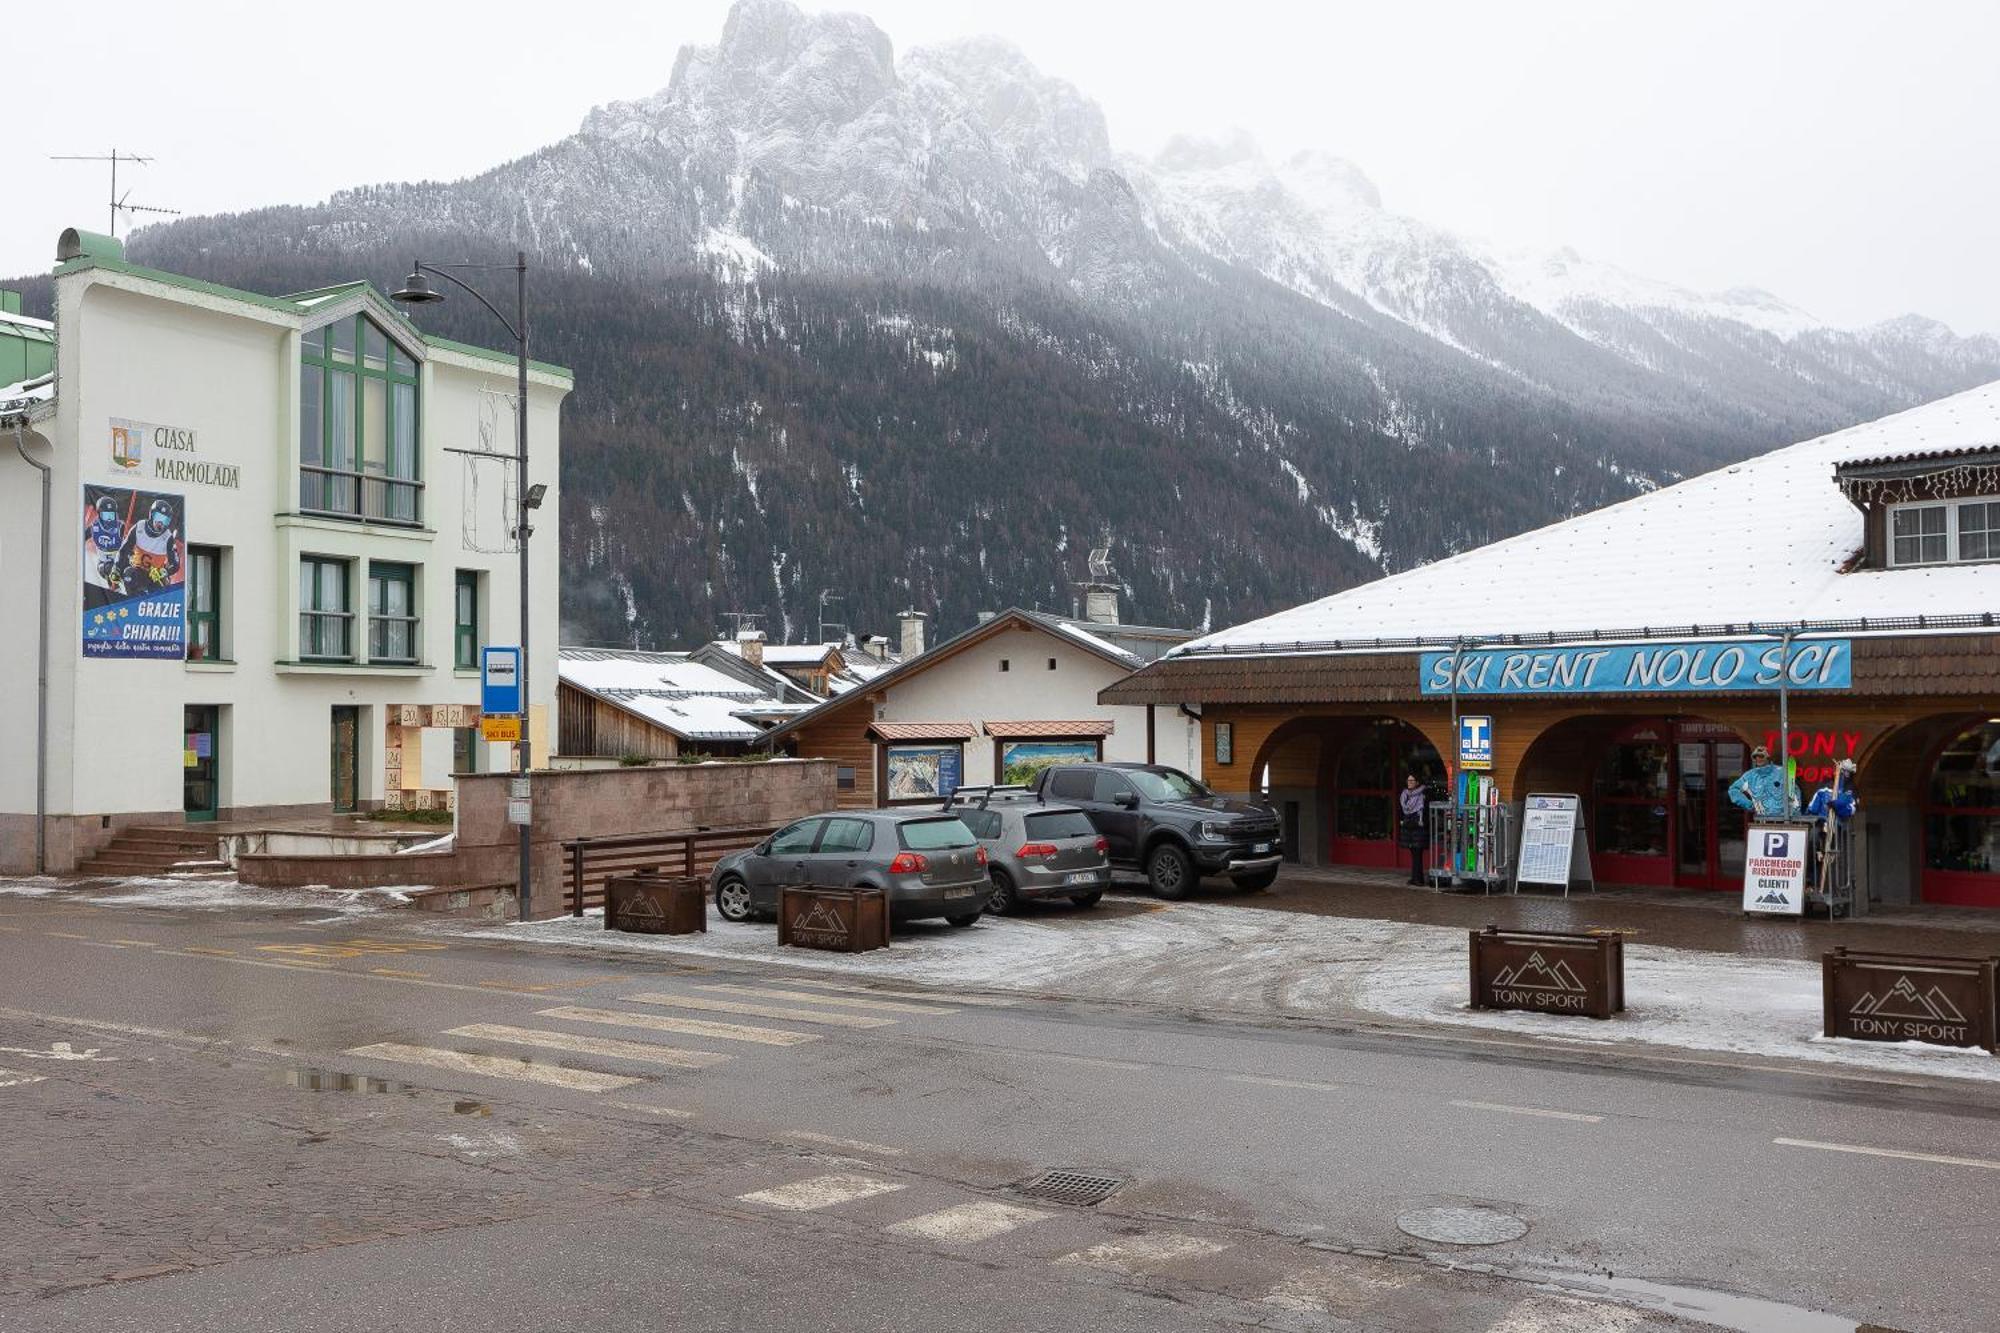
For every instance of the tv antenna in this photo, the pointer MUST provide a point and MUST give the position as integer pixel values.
(745, 620)
(118, 204)
(828, 597)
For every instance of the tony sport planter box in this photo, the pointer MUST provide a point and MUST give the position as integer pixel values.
(655, 905)
(841, 920)
(1548, 972)
(1911, 997)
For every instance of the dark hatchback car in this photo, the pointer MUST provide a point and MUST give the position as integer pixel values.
(928, 864)
(1162, 821)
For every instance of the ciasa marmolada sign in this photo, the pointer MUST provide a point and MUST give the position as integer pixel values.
(1710, 666)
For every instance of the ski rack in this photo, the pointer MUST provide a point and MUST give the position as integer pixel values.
(987, 793)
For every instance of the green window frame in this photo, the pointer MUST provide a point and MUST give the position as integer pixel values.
(392, 613)
(465, 620)
(326, 613)
(360, 455)
(204, 605)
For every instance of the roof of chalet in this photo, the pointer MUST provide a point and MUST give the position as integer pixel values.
(693, 701)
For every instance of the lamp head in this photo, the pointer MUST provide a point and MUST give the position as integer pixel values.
(535, 494)
(416, 290)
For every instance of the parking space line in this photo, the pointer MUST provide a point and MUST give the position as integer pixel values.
(65, 935)
(889, 1006)
(758, 1010)
(139, 944)
(828, 1141)
(1505, 1109)
(213, 953)
(968, 1222)
(805, 1196)
(1981, 1162)
(102, 944)
(643, 1051)
(494, 1066)
(692, 1027)
(1090, 1060)
(395, 972)
(1261, 1081)
(921, 996)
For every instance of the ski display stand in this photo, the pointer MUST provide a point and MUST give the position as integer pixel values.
(1555, 847)
(1830, 879)
(1471, 837)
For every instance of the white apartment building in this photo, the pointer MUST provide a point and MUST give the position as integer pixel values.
(273, 551)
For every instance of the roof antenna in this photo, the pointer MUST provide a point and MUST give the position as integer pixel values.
(118, 204)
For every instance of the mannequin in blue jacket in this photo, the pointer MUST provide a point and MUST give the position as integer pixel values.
(1763, 790)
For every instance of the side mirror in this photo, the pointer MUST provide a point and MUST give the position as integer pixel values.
(1126, 800)
(763, 848)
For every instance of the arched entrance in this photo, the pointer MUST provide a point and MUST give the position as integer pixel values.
(1655, 795)
(1368, 772)
(1960, 846)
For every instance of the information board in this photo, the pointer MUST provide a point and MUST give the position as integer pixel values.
(1774, 872)
(1548, 839)
(1475, 742)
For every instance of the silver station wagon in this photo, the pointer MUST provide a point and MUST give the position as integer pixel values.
(1034, 850)
(926, 862)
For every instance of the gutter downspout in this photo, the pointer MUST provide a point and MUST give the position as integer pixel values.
(41, 667)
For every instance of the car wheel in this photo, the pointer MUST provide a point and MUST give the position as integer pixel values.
(964, 919)
(1087, 900)
(1004, 899)
(1169, 871)
(732, 899)
(1263, 879)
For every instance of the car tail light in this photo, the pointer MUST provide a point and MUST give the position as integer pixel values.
(1035, 850)
(908, 863)
(1103, 845)
(982, 856)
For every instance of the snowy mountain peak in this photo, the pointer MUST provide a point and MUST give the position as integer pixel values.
(1196, 152)
(1033, 116)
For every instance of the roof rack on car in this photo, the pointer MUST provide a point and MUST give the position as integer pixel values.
(963, 796)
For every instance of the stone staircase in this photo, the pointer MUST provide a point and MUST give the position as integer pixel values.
(154, 851)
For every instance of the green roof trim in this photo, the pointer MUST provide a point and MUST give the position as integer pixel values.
(493, 354)
(290, 305)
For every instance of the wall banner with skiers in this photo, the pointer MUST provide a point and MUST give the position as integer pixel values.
(134, 573)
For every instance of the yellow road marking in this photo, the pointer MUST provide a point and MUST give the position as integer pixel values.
(519, 988)
(139, 944)
(214, 953)
(692, 1027)
(101, 944)
(65, 935)
(392, 972)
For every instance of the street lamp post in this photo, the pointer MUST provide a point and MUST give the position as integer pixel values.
(417, 290)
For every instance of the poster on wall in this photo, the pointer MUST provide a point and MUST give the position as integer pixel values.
(134, 572)
(1021, 762)
(921, 772)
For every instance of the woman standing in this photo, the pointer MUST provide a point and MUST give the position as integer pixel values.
(1411, 832)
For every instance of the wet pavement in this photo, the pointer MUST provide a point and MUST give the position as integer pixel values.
(1710, 922)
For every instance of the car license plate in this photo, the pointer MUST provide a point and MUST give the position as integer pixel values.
(1261, 847)
(1082, 877)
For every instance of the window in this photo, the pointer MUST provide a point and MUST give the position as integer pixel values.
(204, 605)
(325, 615)
(465, 747)
(358, 448)
(1053, 824)
(983, 823)
(1005, 665)
(935, 835)
(843, 778)
(465, 620)
(392, 613)
(847, 835)
(1225, 742)
(1110, 787)
(1073, 786)
(1168, 784)
(796, 839)
(1944, 532)
(1052, 664)
(1962, 813)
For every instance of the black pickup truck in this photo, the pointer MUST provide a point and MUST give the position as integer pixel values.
(1163, 822)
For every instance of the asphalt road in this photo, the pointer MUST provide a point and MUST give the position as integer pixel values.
(287, 1120)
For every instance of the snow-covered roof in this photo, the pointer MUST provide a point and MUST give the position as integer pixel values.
(1761, 541)
(785, 654)
(693, 701)
(28, 397)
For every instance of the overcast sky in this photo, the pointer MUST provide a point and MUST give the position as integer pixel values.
(1843, 155)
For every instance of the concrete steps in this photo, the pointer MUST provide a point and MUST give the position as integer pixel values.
(153, 851)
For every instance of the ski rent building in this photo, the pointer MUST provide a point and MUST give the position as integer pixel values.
(269, 561)
(1631, 656)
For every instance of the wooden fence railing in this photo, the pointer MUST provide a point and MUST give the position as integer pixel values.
(591, 861)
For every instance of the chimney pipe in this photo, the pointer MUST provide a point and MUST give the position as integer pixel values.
(913, 634)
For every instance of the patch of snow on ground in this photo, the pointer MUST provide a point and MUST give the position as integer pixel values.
(209, 894)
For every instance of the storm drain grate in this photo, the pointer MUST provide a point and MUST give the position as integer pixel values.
(1079, 1188)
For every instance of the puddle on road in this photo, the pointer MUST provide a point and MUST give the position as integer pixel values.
(1720, 1308)
(332, 1080)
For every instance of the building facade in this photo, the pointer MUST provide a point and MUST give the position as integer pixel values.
(1014, 694)
(273, 555)
(1633, 657)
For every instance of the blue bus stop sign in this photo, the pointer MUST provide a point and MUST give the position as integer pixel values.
(499, 680)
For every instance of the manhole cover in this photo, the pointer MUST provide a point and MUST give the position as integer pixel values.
(1079, 1188)
(1462, 1226)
